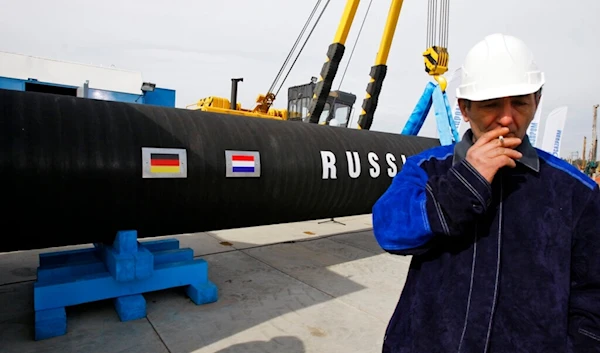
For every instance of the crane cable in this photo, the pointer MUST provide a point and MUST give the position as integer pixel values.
(436, 55)
(296, 44)
(303, 45)
(432, 22)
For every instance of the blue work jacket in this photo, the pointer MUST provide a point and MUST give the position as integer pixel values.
(511, 266)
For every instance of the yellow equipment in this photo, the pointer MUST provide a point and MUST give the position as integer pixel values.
(223, 105)
(436, 57)
(338, 106)
(263, 101)
(334, 57)
(436, 64)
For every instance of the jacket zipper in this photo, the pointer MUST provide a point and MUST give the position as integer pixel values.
(494, 301)
(462, 337)
(493, 309)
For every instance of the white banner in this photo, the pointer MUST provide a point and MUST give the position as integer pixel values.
(553, 132)
(453, 83)
(534, 127)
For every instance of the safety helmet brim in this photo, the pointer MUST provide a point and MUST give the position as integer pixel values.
(497, 92)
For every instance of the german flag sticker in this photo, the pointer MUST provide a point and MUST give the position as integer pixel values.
(164, 162)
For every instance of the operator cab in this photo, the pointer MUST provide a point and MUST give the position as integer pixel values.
(299, 99)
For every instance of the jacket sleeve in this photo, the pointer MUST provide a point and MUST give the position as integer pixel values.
(418, 209)
(584, 303)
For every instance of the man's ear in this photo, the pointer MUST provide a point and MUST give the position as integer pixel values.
(464, 109)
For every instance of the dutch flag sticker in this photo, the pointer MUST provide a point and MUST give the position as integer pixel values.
(242, 163)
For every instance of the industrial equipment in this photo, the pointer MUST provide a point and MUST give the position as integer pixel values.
(436, 64)
(223, 105)
(113, 166)
(319, 110)
(264, 102)
(436, 57)
(297, 108)
(582, 166)
(591, 166)
(594, 135)
(299, 98)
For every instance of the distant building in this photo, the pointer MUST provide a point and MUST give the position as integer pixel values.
(28, 73)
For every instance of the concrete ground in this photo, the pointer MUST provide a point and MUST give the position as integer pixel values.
(295, 288)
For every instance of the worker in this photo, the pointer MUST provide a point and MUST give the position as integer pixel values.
(504, 237)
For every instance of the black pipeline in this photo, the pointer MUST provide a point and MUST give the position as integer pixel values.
(76, 170)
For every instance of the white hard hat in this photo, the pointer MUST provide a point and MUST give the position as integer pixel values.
(499, 66)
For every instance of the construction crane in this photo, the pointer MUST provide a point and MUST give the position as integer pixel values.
(583, 164)
(341, 102)
(327, 105)
(436, 56)
(594, 134)
(591, 165)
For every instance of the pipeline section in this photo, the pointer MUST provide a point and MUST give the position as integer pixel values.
(75, 170)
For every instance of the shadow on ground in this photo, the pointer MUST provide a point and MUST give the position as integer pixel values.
(289, 344)
(322, 295)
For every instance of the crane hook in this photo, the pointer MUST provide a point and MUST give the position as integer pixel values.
(441, 80)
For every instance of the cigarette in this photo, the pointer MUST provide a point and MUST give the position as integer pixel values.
(501, 138)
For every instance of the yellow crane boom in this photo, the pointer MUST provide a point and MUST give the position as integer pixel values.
(379, 70)
(436, 64)
(436, 57)
(335, 53)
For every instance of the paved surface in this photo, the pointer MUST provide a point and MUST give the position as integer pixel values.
(294, 288)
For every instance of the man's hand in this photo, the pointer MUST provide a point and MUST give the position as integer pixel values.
(489, 154)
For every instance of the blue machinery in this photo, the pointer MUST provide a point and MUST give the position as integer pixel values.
(122, 272)
(433, 95)
(149, 92)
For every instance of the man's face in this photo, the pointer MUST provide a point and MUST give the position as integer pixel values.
(515, 112)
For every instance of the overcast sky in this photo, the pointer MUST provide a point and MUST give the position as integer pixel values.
(196, 47)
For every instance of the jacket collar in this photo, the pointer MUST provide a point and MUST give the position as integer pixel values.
(530, 157)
